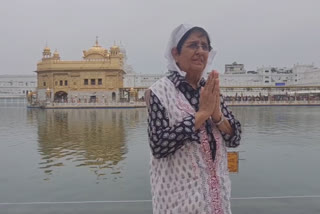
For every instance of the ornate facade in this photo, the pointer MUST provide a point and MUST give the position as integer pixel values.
(97, 77)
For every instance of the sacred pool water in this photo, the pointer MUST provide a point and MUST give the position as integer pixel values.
(96, 160)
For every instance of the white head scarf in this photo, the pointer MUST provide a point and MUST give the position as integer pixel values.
(175, 37)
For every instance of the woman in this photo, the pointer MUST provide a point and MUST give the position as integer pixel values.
(189, 127)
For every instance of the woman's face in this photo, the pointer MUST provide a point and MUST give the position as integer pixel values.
(194, 54)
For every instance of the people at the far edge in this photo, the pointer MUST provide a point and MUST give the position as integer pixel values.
(189, 129)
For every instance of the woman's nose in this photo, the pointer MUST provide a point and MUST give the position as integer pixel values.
(201, 50)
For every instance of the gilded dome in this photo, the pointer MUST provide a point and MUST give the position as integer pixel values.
(115, 50)
(115, 47)
(56, 55)
(95, 50)
(46, 52)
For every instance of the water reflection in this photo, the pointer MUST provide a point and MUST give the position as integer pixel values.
(279, 121)
(86, 138)
(12, 102)
(97, 139)
(281, 153)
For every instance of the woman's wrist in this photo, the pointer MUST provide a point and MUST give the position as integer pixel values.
(222, 119)
(217, 119)
(200, 118)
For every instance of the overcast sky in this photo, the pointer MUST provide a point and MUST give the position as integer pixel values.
(253, 32)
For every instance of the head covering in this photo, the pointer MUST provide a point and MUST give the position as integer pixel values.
(175, 37)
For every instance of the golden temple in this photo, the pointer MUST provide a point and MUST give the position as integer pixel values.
(98, 76)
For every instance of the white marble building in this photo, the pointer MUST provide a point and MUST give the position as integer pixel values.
(134, 80)
(17, 85)
(238, 76)
(240, 80)
(234, 68)
(272, 76)
(308, 75)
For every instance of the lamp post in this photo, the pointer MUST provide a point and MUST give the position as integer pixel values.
(48, 93)
(29, 97)
(131, 94)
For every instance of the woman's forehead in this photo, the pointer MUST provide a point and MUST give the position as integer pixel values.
(197, 36)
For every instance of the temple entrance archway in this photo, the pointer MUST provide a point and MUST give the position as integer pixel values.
(61, 97)
(93, 99)
(113, 96)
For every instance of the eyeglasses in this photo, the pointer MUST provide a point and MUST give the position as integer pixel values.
(196, 46)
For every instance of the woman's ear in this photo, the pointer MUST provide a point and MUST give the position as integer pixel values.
(175, 54)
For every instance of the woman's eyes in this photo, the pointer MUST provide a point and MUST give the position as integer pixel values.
(196, 46)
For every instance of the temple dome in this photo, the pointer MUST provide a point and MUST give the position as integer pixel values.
(96, 48)
(95, 51)
(56, 55)
(115, 47)
(115, 50)
(46, 53)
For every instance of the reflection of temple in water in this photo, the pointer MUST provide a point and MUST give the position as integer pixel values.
(88, 137)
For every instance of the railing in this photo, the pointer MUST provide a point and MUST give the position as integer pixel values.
(12, 96)
(142, 104)
(283, 102)
(94, 105)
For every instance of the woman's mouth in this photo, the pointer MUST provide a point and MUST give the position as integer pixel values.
(198, 62)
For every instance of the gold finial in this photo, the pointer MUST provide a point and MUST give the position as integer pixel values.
(46, 49)
(97, 43)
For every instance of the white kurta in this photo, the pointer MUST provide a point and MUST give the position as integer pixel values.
(189, 181)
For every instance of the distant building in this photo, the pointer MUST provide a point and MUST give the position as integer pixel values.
(17, 85)
(105, 76)
(234, 68)
(271, 76)
(306, 75)
(236, 75)
(141, 80)
(98, 76)
(240, 79)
